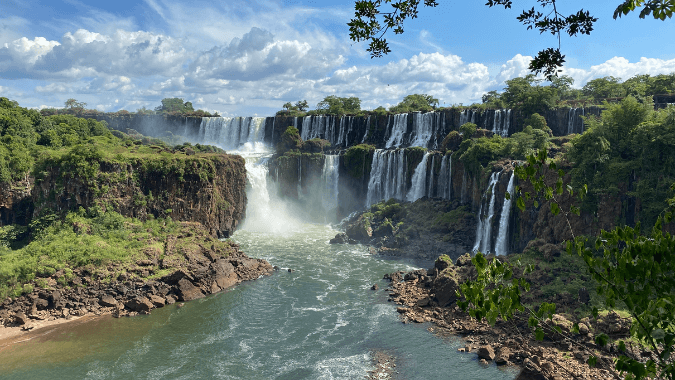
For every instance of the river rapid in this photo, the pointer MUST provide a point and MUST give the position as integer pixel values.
(321, 320)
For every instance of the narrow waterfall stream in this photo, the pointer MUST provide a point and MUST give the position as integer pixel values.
(484, 228)
(501, 245)
(418, 189)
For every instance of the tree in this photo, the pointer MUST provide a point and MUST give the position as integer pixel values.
(174, 105)
(74, 104)
(416, 102)
(371, 23)
(603, 88)
(334, 105)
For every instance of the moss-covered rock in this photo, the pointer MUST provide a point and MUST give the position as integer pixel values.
(358, 160)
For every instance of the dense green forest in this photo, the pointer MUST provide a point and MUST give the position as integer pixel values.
(33, 145)
(529, 94)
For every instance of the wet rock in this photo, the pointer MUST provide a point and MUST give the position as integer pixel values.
(156, 301)
(187, 291)
(340, 238)
(374, 287)
(139, 304)
(486, 352)
(225, 276)
(360, 230)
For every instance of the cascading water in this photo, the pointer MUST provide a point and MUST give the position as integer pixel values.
(484, 228)
(501, 245)
(423, 128)
(432, 179)
(329, 179)
(387, 176)
(365, 135)
(399, 125)
(444, 186)
(230, 133)
(418, 189)
(501, 122)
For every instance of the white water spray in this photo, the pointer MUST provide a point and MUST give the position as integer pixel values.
(417, 189)
(501, 245)
(484, 229)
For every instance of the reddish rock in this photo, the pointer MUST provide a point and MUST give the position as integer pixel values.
(108, 301)
(139, 304)
(187, 291)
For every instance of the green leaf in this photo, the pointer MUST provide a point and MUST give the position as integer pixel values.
(601, 340)
(592, 361)
(539, 334)
(555, 209)
(658, 334)
(521, 204)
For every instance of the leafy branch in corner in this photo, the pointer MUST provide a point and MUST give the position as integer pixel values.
(371, 23)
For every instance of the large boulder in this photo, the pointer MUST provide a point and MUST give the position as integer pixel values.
(225, 276)
(487, 353)
(444, 287)
(108, 301)
(360, 230)
(139, 304)
(187, 291)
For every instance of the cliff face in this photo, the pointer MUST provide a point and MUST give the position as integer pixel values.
(205, 188)
(15, 204)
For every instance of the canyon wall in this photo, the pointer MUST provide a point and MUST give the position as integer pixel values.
(205, 188)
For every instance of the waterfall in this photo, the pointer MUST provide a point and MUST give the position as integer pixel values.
(467, 116)
(365, 135)
(398, 129)
(430, 188)
(501, 122)
(445, 178)
(230, 133)
(501, 245)
(423, 128)
(417, 189)
(463, 117)
(329, 178)
(573, 119)
(496, 121)
(387, 176)
(484, 228)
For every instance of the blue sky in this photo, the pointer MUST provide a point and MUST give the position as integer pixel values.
(250, 57)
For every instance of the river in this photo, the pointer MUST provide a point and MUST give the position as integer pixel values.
(319, 321)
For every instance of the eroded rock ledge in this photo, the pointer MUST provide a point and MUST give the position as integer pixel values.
(192, 265)
(429, 296)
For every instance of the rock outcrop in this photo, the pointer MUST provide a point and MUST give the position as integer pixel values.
(197, 265)
(205, 188)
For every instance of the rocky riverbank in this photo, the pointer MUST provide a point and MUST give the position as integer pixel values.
(429, 296)
(183, 266)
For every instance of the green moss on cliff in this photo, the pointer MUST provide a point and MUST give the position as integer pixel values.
(358, 159)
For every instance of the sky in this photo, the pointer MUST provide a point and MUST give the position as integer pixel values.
(248, 58)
